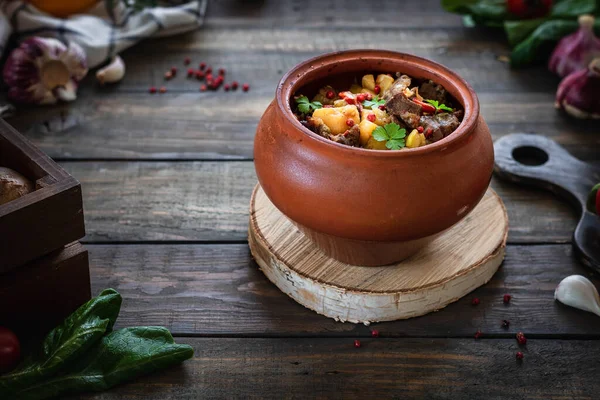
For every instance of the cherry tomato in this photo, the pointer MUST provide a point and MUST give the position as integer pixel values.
(529, 8)
(10, 350)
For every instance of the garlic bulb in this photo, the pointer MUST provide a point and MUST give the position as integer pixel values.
(577, 291)
(113, 72)
(574, 52)
(44, 70)
(579, 93)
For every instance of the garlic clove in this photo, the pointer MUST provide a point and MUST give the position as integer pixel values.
(575, 51)
(579, 93)
(579, 292)
(44, 70)
(113, 72)
(67, 92)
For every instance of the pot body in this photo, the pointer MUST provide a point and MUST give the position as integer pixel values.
(352, 197)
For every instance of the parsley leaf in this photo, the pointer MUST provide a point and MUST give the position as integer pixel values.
(439, 106)
(305, 106)
(376, 102)
(392, 134)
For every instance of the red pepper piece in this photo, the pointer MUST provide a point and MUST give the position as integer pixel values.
(428, 108)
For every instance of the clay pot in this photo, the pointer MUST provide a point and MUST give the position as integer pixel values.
(371, 207)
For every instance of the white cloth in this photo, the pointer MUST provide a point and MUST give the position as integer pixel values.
(102, 32)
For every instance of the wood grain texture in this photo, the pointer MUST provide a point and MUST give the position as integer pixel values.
(208, 201)
(452, 265)
(381, 368)
(216, 290)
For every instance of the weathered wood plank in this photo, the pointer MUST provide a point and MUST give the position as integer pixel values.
(194, 126)
(208, 201)
(383, 368)
(333, 14)
(217, 290)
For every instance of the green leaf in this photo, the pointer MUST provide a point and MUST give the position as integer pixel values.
(305, 106)
(118, 357)
(541, 41)
(572, 8)
(375, 102)
(480, 12)
(445, 108)
(68, 341)
(518, 30)
(380, 134)
(434, 103)
(392, 134)
(439, 106)
(395, 144)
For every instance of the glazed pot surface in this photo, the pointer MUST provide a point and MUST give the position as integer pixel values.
(372, 195)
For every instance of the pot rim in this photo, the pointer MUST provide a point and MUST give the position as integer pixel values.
(293, 79)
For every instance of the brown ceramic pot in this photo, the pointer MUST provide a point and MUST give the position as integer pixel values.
(371, 207)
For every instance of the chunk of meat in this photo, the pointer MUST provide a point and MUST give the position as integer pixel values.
(349, 138)
(441, 125)
(432, 91)
(317, 126)
(397, 87)
(405, 109)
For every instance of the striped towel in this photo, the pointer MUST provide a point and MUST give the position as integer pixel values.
(102, 31)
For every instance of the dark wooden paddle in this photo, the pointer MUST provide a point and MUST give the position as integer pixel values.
(538, 161)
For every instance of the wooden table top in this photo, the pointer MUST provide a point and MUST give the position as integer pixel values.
(167, 180)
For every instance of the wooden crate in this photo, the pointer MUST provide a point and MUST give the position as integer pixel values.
(41, 221)
(38, 295)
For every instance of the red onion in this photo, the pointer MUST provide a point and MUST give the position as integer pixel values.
(44, 70)
(579, 93)
(574, 52)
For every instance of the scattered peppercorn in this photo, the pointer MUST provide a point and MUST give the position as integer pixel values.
(186, 61)
(382, 108)
(478, 334)
(357, 343)
(209, 76)
(420, 129)
(519, 355)
(428, 132)
(234, 85)
(475, 301)
(209, 70)
(521, 338)
(350, 122)
(375, 333)
(361, 97)
(174, 70)
(168, 75)
(506, 298)
(377, 89)
(191, 72)
(203, 88)
(202, 65)
(199, 75)
(152, 90)
(330, 94)
(245, 87)
(369, 96)
(221, 71)
(505, 323)
(371, 117)
(162, 89)
(226, 87)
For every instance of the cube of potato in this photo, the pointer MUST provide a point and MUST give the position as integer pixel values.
(355, 88)
(381, 117)
(335, 117)
(366, 130)
(339, 103)
(384, 81)
(415, 139)
(365, 90)
(375, 145)
(368, 82)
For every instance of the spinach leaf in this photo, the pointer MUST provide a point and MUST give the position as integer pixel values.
(68, 341)
(519, 30)
(572, 8)
(483, 12)
(120, 356)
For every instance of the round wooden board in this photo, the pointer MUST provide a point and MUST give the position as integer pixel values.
(457, 262)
